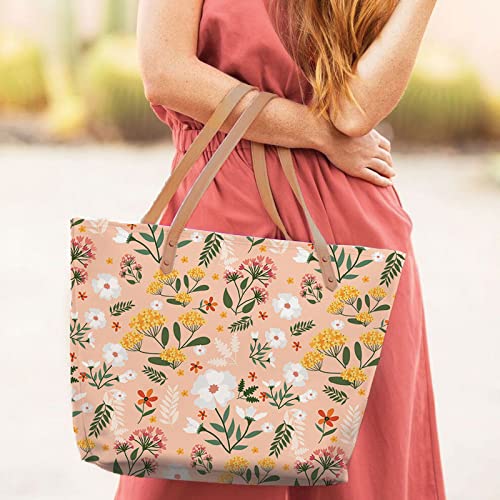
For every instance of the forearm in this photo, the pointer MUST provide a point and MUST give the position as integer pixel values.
(383, 72)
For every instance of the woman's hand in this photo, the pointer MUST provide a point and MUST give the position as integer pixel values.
(367, 157)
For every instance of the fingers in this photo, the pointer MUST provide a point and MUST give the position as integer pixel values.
(371, 176)
(381, 167)
(383, 154)
(384, 143)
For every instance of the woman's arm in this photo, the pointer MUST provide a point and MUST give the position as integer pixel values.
(384, 69)
(174, 77)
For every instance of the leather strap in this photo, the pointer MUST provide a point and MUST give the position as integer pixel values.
(320, 245)
(220, 115)
(207, 175)
(264, 187)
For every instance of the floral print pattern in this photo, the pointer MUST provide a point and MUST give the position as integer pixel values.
(236, 367)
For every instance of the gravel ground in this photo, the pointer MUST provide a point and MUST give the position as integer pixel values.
(457, 241)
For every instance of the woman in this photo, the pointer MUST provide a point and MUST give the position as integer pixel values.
(355, 59)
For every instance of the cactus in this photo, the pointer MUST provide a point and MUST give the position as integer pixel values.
(114, 94)
(442, 102)
(22, 84)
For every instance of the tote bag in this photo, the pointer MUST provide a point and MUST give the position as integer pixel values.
(205, 356)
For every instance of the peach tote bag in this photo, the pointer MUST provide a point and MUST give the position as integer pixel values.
(173, 369)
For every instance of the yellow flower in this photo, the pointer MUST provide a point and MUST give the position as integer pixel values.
(267, 464)
(263, 248)
(223, 314)
(180, 373)
(336, 307)
(192, 320)
(237, 465)
(215, 276)
(132, 341)
(328, 341)
(109, 260)
(105, 447)
(365, 279)
(220, 328)
(166, 279)
(184, 259)
(334, 439)
(286, 467)
(361, 392)
(312, 360)
(196, 273)
(347, 294)
(75, 429)
(173, 356)
(183, 298)
(82, 229)
(364, 317)
(377, 293)
(255, 449)
(290, 281)
(373, 339)
(148, 322)
(152, 419)
(180, 451)
(185, 393)
(86, 444)
(155, 288)
(355, 376)
(226, 478)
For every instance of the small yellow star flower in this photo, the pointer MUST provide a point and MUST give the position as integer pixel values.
(286, 467)
(333, 439)
(255, 449)
(82, 229)
(223, 314)
(185, 393)
(109, 260)
(180, 451)
(263, 248)
(215, 276)
(180, 373)
(290, 281)
(220, 328)
(75, 429)
(105, 447)
(152, 419)
(184, 259)
(362, 392)
(365, 279)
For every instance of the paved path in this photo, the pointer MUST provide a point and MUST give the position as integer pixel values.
(457, 241)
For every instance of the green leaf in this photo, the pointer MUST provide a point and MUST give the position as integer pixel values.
(354, 321)
(143, 251)
(244, 284)
(346, 356)
(248, 475)
(240, 447)
(225, 415)
(270, 479)
(164, 336)
(301, 327)
(211, 248)
(198, 341)
(252, 434)
(230, 429)
(282, 438)
(76, 222)
(358, 351)
(154, 375)
(217, 427)
(363, 263)
(134, 454)
(147, 237)
(336, 395)
(339, 381)
(177, 284)
(155, 360)
(121, 307)
(359, 304)
(200, 288)
(177, 331)
(102, 417)
(340, 260)
(212, 441)
(242, 324)
(351, 276)
(349, 261)
(116, 467)
(248, 307)
(76, 413)
(367, 301)
(92, 458)
(186, 281)
(183, 243)
(373, 363)
(226, 298)
(256, 471)
(314, 474)
(159, 242)
(382, 307)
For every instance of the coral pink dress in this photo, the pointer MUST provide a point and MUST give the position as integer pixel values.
(397, 452)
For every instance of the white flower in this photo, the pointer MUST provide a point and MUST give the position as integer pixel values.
(128, 376)
(311, 394)
(213, 388)
(295, 374)
(276, 338)
(302, 255)
(176, 473)
(299, 414)
(303, 398)
(121, 235)
(106, 286)
(249, 413)
(196, 237)
(192, 426)
(91, 364)
(267, 427)
(255, 335)
(271, 383)
(74, 315)
(287, 305)
(76, 396)
(95, 318)
(338, 324)
(272, 359)
(86, 408)
(91, 339)
(119, 395)
(378, 256)
(199, 350)
(156, 305)
(114, 354)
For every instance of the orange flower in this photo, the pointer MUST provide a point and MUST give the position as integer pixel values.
(327, 418)
(202, 414)
(252, 376)
(82, 295)
(131, 226)
(209, 304)
(116, 326)
(296, 346)
(82, 376)
(262, 315)
(196, 367)
(263, 396)
(72, 355)
(147, 398)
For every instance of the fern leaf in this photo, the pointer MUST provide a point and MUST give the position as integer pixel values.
(102, 417)
(301, 327)
(282, 438)
(335, 394)
(240, 325)
(154, 375)
(211, 248)
(393, 266)
(121, 307)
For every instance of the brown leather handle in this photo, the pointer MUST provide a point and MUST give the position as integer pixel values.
(206, 177)
(200, 143)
